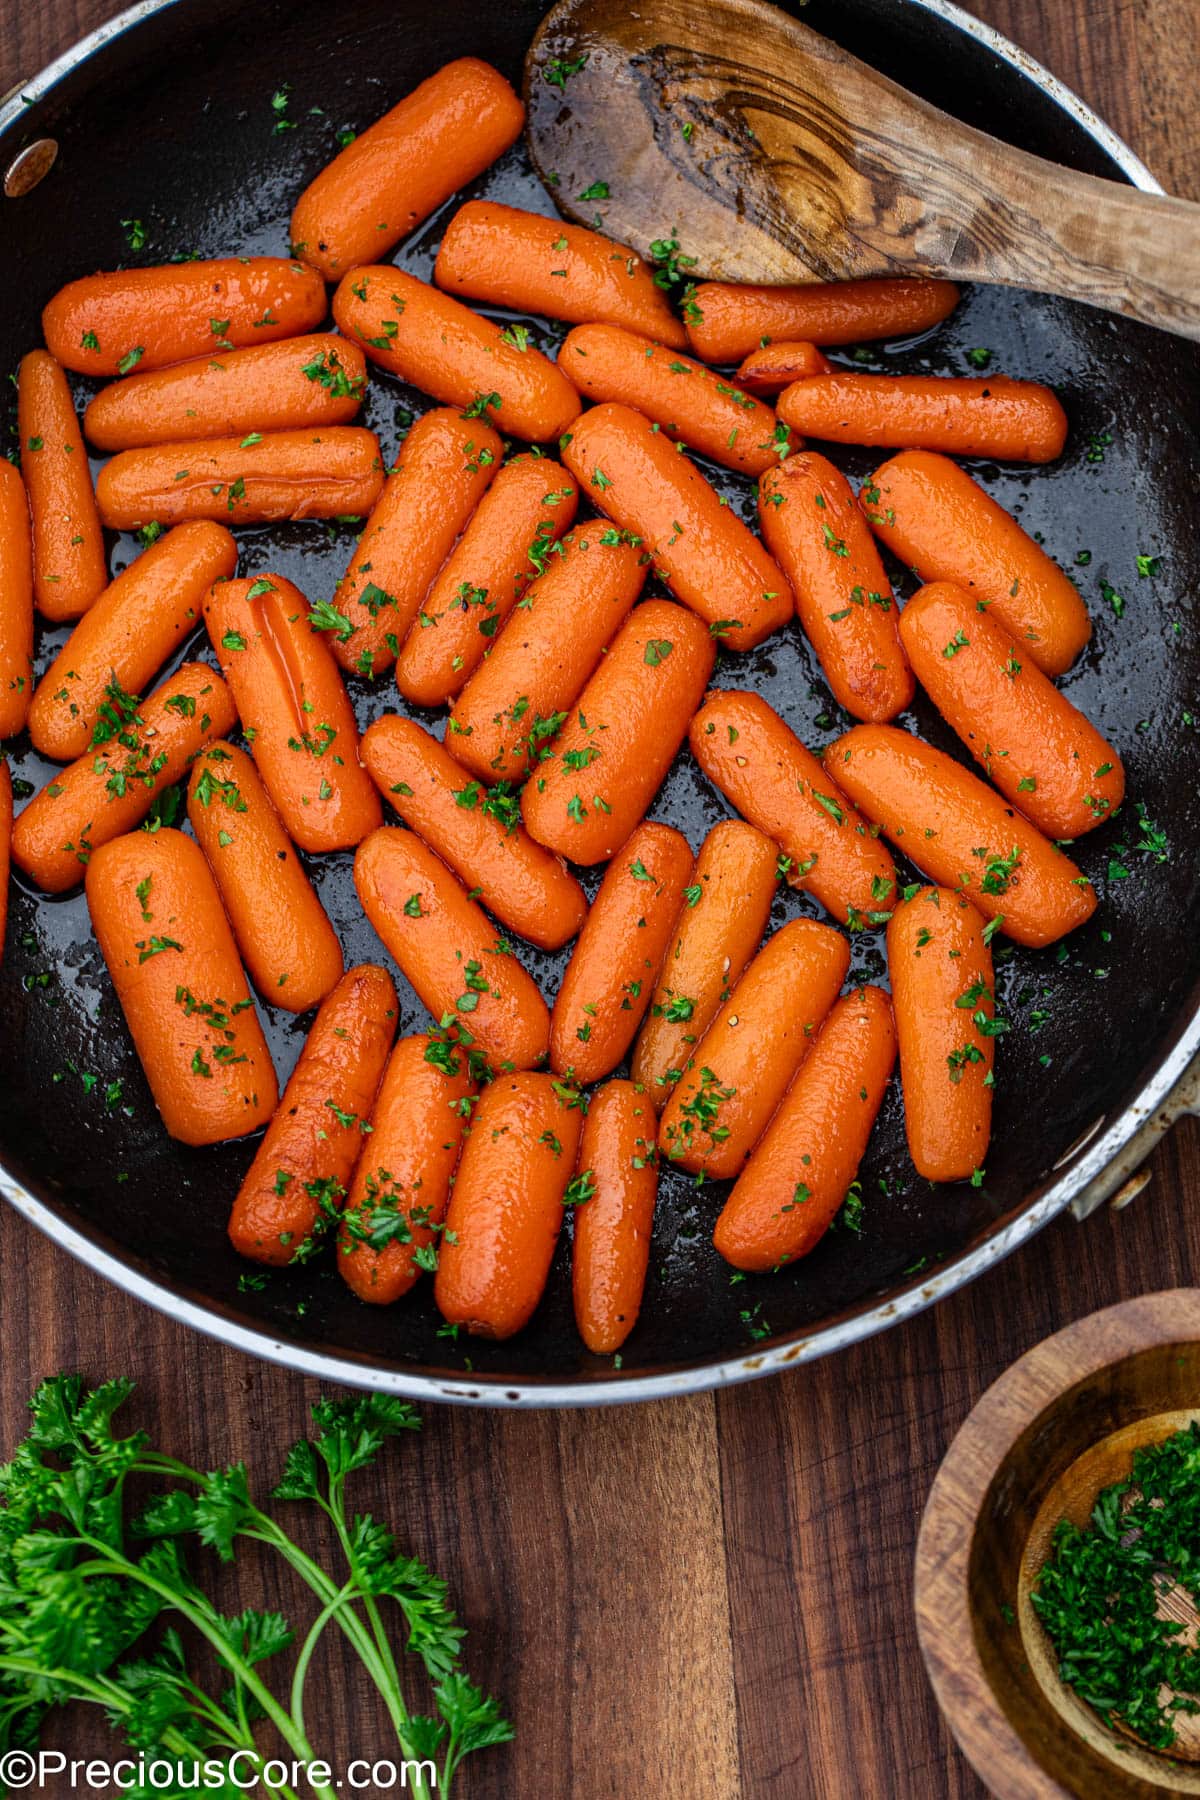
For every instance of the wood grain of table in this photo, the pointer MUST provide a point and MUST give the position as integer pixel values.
(707, 1598)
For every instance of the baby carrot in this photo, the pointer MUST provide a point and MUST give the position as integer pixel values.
(444, 468)
(162, 931)
(128, 319)
(69, 566)
(295, 1186)
(710, 560)
(401, 1187)
(507, 541)
(738, 1072)
(506, 257)
(1017, 421)
(790, 1190)
(6, 825)
(313, 380)
(16, 602)
(940, 522)
(764, 770)
(727, 322)
(520, 694)
(461, 358)
(447, 948)
(611, 1251)
(687, 400)
(138, 749)
(943, 992)
(286, 941)
(720, 926)
(398, 171)
(294, 710)
(773, 367)
(476, 830)
(608, 761)
(844, 601)
(124, 639)
(1036, 747)
(330, 473)
(961, 834)
(614, 966)
(506, 1211)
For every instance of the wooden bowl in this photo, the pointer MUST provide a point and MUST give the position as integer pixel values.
(1061, 1424)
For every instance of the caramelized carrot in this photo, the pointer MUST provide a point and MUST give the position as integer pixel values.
(738, 1072)
(506, 1210)
(608, 761)
(6, 826)
(124, 639)
(16, 603)
(611, 1251)
(773, 367)
(614, 966)
(295, 1186)
(791, 1188)
(727, 322)
(1017, 421)
(764, 770)
(446, 947)
(69, 566)
(1036, 747)
(285, 938)
(329, 473)
(162, 931)
(961, 834)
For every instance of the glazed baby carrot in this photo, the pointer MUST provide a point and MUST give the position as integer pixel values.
(738, 1072)
(843, 598)
(689, 402)
(459, 357)
(1036, 747)
(295, 1186)
(1018, 421)
(710, 560)
(506, 257)
(6, 823)
(611, 1251)
(940, 522)
(138, 749)
(69, 566)
(727, 322)
(620, 738)
(506, 1211)
(329, 473)
(476, 830)
(764, 770)
(124, 639)
(444, 468)
(286, 941)
(614, 966)
(315, 380)
(520, 694)
(112, 324)
(773, 367)
(461, 968)
(401, 1187)
(162, 931)
(398, 171)
(507, 541)
(790, 1190)
(294, 710)
(16, 603)
(961, 834)
(943, 992)
(720, 926)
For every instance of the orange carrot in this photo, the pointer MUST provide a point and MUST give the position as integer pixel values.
(961, 834)
(726, 322)
(773, 367)
(611, 1251)
(615, 964)
(6, 826)
(329, 473)
(790, 1190)
(295, 1186)
(285, 938)
(398, 171)
(1018, 421)
(69, 566)
(608, 762)
(163, 932)
(16, 603)
(843, 598)
(1036, 747)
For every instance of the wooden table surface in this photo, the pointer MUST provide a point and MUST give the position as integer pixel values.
(706, 1599)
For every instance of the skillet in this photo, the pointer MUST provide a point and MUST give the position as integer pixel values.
(166, 116)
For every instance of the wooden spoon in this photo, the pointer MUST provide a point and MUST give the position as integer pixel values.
(773, 157)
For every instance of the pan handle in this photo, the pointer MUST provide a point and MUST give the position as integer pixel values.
(1125, 1177)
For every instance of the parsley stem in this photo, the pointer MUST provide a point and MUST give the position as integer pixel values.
(300, 1674)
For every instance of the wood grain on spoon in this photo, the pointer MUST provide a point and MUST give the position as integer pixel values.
(773, 156)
